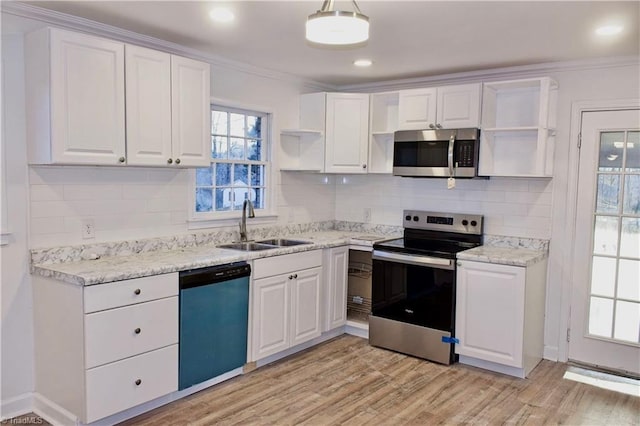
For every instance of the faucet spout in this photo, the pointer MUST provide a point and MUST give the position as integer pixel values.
(247, 205)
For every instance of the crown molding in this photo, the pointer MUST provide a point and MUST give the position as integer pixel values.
(75, 23)
(521, 71)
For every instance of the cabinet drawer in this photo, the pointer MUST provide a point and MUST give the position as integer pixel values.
(276, 265)
(122, 293)
(113, 387)
(119, 333)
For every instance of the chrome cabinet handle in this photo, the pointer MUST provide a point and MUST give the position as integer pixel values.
(177, 161)
(169, 161)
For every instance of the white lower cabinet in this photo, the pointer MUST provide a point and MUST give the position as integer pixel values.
(500, 316)
(105, 348)
(336, 263)
(286, 302)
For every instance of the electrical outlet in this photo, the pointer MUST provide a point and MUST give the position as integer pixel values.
(367, 214)
(88, 229)
(358, 300)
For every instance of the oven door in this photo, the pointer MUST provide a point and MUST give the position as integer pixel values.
(413, 305)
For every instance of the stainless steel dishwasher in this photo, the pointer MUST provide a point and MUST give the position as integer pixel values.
(214, 311)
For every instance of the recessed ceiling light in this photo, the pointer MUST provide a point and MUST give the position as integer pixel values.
(362, 62)
(607, 30)
(221, 14)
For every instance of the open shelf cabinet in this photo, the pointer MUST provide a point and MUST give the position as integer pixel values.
(383, 123)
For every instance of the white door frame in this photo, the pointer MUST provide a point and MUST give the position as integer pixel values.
(569, 232)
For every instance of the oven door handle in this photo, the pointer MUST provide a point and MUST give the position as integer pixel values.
(418, 260)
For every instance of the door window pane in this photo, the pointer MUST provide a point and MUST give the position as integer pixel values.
(629, 279)
(633, 152)
(611, 151)
(607, 195)
(630, 238)
(632, 194)
(600, 317)
(603, 276)
(627, 321)
(605, 238)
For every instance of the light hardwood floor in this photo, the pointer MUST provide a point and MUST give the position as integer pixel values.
(345, 381)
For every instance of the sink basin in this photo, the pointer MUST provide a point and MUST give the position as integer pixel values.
(283, 242)
(247, 246)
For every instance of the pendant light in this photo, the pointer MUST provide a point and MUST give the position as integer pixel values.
(337, 27)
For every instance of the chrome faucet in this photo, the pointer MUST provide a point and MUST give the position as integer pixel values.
(243, 223)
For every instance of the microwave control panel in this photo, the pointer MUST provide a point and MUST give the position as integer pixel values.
(465, 153)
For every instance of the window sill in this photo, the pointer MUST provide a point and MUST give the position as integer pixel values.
(229, 221)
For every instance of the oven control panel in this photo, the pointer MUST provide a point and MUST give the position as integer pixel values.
(438, 221)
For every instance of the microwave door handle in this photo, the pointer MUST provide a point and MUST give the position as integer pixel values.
(452, 141)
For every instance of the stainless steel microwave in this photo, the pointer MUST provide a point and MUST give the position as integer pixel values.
(438, 153)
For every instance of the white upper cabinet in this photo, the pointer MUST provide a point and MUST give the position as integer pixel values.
(75, 98)
(148, 94)
(445, 107)
(190, 112)
(347, 133)
(518, 128)
(79, 87)
(333, 136)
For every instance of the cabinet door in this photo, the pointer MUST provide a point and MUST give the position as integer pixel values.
(148, 95)
(416, 109)
(336, 288)
(459, 106)
(87, 99)
(347, 133)
(305, 305)
(270, 315)
(190, 112)
(490, 312)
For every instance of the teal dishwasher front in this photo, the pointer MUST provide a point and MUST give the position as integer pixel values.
(214, 311)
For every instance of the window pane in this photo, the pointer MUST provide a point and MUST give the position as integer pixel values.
(627, 321)
(259, 198)
(204, 176)
(600, 317)
(603, 276)
(257, 176)
(254, 126)
(629, 279)
(204, 199)
(240, 194)
(240, 175)
(632, 194)
(236, 123)
(236, 149)
(633, 152)
(223, 174)
(219, 123)
(630, 238)
(218, 147)
(254, 150)
(223, 199)
(611, 154)
(605, 238)
(607, 195)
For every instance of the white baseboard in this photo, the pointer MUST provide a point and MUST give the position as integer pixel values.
(551, 353)
(357, 329)
(16, 406)
(52, 412)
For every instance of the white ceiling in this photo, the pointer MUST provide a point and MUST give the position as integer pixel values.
(408, 38)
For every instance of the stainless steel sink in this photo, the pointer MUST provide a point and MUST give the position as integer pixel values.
(248, 246)
(283, 242)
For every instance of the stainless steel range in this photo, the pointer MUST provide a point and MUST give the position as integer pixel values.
(414, 284)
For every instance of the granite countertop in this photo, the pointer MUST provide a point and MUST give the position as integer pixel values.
(117, 268)
(503, 255)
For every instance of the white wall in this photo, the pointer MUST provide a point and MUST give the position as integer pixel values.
(17, 316)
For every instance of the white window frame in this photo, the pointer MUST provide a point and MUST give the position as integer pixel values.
(199, 220)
